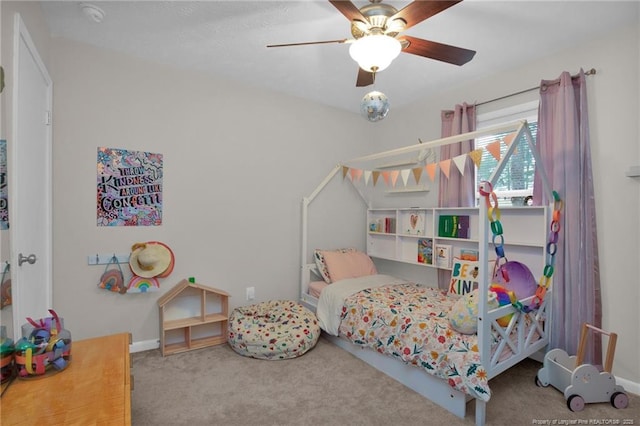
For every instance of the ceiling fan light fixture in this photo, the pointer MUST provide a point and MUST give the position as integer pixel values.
(375, 52)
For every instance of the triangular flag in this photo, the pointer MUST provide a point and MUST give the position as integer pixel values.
(405, 175)
(460, 161)
(445, 165)
(345, 170)
(509, 138)
(417, 172)
(476, 156)
(355, 174)
(386, 176)
(394, 177)
(431, 170)
(494, 149)
(367, 176)
(376, 175)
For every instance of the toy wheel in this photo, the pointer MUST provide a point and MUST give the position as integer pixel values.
(575, 403)
(539, 383)
(620, 400)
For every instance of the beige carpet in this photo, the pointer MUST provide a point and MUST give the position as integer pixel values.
(328, 386)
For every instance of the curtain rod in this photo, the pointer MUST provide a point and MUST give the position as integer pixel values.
(592, 71)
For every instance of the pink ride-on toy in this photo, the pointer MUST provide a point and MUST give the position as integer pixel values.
(583, 383)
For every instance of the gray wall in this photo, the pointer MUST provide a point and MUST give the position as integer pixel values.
(237, 162)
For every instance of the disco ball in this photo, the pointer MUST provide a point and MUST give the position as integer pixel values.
(374, 106)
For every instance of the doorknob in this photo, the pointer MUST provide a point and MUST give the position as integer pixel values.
(31, 259)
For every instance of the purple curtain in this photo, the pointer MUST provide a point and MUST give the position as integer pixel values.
(458, 190)
(563, 143)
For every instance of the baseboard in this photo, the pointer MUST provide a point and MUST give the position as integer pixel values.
(145, 345)
(628, 385)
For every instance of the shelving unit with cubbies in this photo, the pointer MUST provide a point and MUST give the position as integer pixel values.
(524, 230)
(192, 316)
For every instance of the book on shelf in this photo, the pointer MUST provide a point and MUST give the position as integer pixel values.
(385, 225)
(469, 254)
(442, 255)
(453, 226)
(390, 225)
(463, 227)
(425, 251)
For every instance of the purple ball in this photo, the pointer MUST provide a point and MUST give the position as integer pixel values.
(516, 277)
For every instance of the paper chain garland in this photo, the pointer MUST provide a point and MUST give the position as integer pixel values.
(493, 213)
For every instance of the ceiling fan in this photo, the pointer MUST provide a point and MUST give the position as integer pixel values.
(378, 22)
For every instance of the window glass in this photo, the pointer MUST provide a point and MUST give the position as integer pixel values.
(515, 185)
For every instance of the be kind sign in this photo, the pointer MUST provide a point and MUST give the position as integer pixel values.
(129, 188)
(464, 276)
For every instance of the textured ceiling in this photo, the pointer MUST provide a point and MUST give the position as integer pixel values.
(229, 38)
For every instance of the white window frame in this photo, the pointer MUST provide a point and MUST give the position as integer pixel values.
(525, 111)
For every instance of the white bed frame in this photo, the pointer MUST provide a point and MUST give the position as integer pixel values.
(522, 341)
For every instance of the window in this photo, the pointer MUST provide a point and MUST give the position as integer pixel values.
(515, 186)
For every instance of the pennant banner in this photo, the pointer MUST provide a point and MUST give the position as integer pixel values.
(375, 174)
(509, 138)
(417, 172)
(386, 176)
(391, 176)
(460, 161)
(394, 177)
(405, 175)
(355, 174)
(367, 177)
(445, 166)
(476, 156)
(431, 170)
(494, 149)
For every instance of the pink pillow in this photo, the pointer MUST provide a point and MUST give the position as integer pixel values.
(353, 264)
(316, 287)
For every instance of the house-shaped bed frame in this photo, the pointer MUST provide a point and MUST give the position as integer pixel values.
(528, 340)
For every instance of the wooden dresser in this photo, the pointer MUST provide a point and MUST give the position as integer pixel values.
(94, 389)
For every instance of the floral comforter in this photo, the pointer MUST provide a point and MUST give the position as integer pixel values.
(409, 322)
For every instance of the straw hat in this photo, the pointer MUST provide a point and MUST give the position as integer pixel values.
(150, 259)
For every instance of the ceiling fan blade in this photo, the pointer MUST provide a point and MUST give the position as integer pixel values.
(365, 78)
(344, 40)
(418, 11)
(438, 51)
(349, 10)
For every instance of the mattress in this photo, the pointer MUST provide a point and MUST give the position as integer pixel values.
(406, 321)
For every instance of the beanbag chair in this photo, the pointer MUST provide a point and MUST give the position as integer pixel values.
(277, 329)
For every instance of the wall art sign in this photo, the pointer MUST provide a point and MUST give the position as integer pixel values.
(129, 188)
(4, 193)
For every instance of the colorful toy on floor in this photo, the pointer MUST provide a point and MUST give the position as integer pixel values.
(583, 383)
(7, 364)
(45, 347)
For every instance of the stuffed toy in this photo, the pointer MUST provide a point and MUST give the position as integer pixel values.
(463, 316)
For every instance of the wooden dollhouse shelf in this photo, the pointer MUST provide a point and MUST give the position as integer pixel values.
(192, 316)
(188, 322)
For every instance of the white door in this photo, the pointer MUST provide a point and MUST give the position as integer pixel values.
(30, 176)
